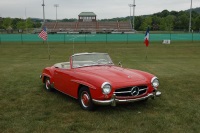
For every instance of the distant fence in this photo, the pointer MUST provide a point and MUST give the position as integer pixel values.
(65, 38)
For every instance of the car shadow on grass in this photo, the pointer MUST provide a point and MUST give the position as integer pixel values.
(135, 106)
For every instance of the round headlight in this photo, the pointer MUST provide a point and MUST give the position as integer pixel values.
(155, 82)
(106, 88)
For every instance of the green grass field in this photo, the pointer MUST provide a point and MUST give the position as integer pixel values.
(26, 107)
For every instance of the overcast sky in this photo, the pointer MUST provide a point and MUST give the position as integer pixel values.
(102, 8)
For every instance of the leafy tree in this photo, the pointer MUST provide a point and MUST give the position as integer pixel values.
(37, 25)
(138, 22)
(170, 22)
(174, 13)
(147, 22)
(177, 23)
(194, 14)
(164, 13)
(21, 25)
(15, 21)
(29, 23)
(197, 24)
(156, 22)
(7, 23)
(163, 24)
(1, 23)
(184, 21)
(25, 24)
(69, 20)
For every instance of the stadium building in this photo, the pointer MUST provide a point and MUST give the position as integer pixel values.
(87, 23)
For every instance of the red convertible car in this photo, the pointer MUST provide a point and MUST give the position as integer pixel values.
(93, 79)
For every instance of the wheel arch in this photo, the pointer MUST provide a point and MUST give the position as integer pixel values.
(47, 73)
(79, 88)
(85, 98)
(45, 76)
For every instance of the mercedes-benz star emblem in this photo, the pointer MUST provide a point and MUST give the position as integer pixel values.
(135, 91)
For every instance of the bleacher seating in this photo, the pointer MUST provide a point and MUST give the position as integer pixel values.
(108, 25)
(49, 25)
(60, 26)
(65, 26)
(98, 26)
(70, 25)
(86, 26)
(125, 26)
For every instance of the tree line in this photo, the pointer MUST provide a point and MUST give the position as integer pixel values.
(165, 21)
(162, 21)
(18, 24)
(169, 21)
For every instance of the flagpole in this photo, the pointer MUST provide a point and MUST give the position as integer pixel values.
(73, 45)
(146, 52)
(48, 49)
(43, 34)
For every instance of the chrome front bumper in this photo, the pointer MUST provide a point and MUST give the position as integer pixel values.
(113, 101)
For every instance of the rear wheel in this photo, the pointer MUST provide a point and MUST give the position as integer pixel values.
(85, 99)
(48, 84)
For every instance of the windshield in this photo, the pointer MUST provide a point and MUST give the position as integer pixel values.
(91, 59)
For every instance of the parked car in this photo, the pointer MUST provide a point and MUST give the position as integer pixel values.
(93, 79)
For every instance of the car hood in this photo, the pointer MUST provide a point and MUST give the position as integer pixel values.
(114, 74)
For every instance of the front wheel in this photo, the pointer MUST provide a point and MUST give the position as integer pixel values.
(85, 99)
(48, 84)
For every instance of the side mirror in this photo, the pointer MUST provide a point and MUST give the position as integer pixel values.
(120, 64)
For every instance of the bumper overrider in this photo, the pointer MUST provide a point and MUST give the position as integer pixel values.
(113, 101)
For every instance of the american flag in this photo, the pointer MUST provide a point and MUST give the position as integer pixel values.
(43, 34)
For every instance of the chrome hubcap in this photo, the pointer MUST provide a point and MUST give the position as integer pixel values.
(85, 99)
(48, 84)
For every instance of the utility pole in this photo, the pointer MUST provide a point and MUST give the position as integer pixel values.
(43, 12)
(56, 6)
(190, 23)
(26, 20)
(133, 14)
(130, 5)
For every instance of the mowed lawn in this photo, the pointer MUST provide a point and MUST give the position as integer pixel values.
(25, 106)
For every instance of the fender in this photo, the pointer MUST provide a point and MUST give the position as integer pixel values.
(47, 72)
(84, 83)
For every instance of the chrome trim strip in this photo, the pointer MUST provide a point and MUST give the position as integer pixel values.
(122, 92)
(143, 89)
(94, 65)
(153, 79)
(105, 84)
(113, 100)
(86, 53)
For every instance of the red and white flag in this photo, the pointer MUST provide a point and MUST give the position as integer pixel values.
(146, 38)
(43, 34)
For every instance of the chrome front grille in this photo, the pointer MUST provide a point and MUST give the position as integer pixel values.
(131, 91)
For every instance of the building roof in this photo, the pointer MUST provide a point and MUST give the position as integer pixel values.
(87, 14)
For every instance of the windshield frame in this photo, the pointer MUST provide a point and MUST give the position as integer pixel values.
(92, 63)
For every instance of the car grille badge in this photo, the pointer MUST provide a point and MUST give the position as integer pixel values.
(135, 91)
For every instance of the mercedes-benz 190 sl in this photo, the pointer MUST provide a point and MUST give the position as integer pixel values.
(93, 79)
